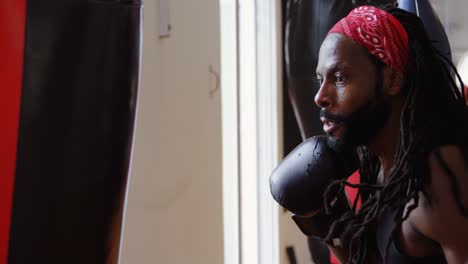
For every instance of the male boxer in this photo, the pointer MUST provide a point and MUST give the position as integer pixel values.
(385, 90)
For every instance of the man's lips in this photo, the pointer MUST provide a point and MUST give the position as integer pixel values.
(329, 126)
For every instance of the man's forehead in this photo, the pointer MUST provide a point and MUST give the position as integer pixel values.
(339, 51)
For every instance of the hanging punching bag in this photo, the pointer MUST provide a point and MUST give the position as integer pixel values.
(70, 95)
(431, 21)
(12, 27)
(307, 23)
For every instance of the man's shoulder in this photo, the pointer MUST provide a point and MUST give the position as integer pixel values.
(445, 216)
(435, 138)
(441, 216)
(448, 160)
(448, 169)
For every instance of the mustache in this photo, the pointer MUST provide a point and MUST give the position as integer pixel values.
(333, 117)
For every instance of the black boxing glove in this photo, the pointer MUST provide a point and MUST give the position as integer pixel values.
(300, 180)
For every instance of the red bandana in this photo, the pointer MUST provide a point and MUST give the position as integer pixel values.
(379, 32)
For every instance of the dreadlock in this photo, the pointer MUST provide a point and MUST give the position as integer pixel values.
(433, 101)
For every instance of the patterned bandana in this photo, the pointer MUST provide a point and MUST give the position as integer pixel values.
(379, 32)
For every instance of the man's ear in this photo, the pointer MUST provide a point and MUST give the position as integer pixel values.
(393, 81)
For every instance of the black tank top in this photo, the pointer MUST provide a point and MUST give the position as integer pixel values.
(394, 254)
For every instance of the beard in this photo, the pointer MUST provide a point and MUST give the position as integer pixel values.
(363, 124)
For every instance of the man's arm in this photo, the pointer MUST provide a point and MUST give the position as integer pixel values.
(341, 254)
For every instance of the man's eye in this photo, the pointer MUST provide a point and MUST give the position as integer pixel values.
(340, 79)
(319, 81)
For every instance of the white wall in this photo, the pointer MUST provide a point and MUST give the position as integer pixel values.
(452, 14)
(291, 236)
(174, 208)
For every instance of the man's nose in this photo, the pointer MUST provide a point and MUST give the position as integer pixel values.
(322, 98)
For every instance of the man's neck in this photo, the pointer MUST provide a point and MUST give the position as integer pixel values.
(385, 144)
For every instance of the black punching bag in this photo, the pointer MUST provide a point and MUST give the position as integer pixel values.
(431, 22)
(307, 23)
(69, 129)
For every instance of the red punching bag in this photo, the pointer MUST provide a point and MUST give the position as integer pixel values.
(69, 76)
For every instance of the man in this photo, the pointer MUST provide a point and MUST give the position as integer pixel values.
(306, 25)
(386, 91)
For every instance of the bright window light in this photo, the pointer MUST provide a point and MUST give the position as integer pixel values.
(463, 68)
